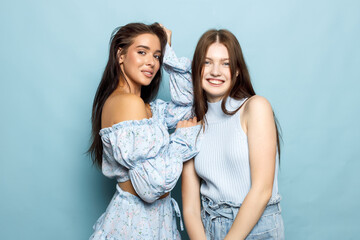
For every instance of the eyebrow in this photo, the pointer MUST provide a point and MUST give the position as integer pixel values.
(222, 59)
(146, 47)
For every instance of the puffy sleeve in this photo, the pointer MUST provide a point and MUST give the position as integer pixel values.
(181, 89)
(154, 159)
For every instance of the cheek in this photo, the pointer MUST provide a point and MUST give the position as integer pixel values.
(203, 81)
(157, 66)
(227, 73)
(205, 71)
(133, 59)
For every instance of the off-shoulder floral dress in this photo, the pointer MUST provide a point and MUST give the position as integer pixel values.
(144, 152)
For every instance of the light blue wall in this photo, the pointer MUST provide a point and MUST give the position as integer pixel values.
(304, 56)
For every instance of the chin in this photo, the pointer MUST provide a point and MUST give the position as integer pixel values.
(216, 94)
(145, 84)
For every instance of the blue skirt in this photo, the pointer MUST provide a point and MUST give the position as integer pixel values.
(128, 217)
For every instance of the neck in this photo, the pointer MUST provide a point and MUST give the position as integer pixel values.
(214, 99)
(215, 112)
(128, 87)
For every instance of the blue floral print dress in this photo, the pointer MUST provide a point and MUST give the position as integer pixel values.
(143, 151)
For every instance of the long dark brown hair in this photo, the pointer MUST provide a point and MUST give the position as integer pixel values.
(122, 37)
(240, 87)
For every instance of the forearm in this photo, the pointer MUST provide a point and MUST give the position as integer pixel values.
(150, 187)
(194, 226)
(179, 70)
(190, 189)
(249, 214)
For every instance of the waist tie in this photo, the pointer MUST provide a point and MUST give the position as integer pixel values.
(177, 212)
(229, 210)
(218, 210)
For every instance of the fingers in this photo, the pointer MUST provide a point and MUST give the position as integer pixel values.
(168, 33)
(187, 123)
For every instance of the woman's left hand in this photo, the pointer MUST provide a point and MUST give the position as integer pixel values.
(168, 34)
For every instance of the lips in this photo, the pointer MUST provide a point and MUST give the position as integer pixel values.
(215, 82)
(148, 73)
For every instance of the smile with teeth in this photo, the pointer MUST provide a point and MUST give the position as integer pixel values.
(215, 82)
(148, 73)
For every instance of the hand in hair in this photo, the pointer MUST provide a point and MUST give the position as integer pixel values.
(168, 34)
(187, 123)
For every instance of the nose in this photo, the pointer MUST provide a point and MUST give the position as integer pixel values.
(215, 71)
(150, 61)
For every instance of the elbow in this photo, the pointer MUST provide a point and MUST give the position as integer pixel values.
(149, 198)
(187, 211)
(267, 194)
(263, 193)
(156, 191)
(145, 189)
(191, 211)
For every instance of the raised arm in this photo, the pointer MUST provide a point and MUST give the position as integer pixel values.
(190, 190)
(260, 129)
(181, 90)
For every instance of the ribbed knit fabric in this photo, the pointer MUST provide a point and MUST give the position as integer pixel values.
(223, 161)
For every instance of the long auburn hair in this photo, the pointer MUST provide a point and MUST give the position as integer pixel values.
(122, 37)
(240, 86)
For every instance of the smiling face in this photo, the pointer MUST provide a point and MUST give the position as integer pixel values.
(216, 75)
(141, 61)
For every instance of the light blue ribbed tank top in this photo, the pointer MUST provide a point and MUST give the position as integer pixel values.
(223, 161)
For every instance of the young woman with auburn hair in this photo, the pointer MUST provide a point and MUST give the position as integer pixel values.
(130, 139)
(230, 189)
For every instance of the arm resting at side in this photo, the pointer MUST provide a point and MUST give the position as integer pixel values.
(261, 132)
(190, 189)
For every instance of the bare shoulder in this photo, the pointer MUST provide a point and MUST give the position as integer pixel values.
(257, 106)
(257, 103)
(121, 107)
(125, 100)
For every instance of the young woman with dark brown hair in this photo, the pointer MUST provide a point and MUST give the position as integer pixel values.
(130, 139)
(230, 189)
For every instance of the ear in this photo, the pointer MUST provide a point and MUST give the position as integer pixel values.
(237, 73)
(120, 56)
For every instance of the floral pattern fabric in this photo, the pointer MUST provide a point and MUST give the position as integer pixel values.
(144, 152)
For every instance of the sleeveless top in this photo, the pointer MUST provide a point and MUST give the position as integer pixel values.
(223, 161)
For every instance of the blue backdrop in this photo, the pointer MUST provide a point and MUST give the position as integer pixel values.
(304, 56)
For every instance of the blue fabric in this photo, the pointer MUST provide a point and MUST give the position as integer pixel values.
(150, 158)
(223, 161)
(144, 152)
(219, 217)
(128, 217)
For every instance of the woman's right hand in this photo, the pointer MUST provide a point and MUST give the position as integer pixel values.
(187, 123)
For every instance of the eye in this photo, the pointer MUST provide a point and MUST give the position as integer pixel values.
(141, 52)
(206, 62)
(157, 57)
(226, 64)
